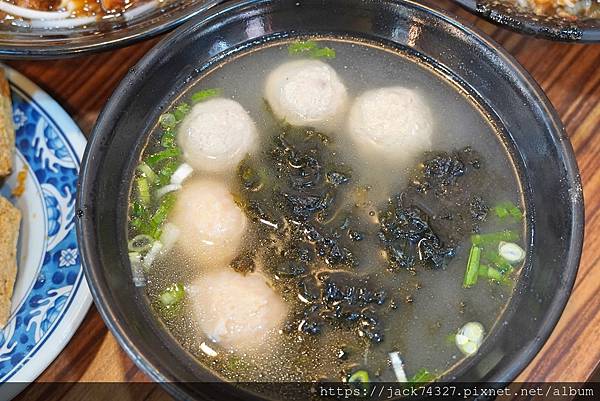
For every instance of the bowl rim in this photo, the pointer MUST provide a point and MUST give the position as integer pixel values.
(113, 39)
(578, 31)
(100, 132)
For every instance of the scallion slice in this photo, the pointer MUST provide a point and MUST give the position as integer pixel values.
(158, 218)
(147, 172)
(494, 258)
(156, 158)
(167, 121)
(506, 209)
(360, 376)
(140, 243)
(168, 139)
(493, 274)
(492, 238)
(422, 376)
(511, 252)
(205, 94)
(311, 48)
(472, 267)
(172, 295)
(143, 190)
(180, 111)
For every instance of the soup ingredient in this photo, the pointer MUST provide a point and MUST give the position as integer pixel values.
(152, 254)
(172, 295)
(137, 270)
(469, 338)
(216, 135)
(182, 173)
(492, 238)
(394, 122)
(310, 48)
(472, 267)
(140, 243)
(511, 252)
(361, 377)
(211, 224)
(493, 274)
(422, 376)
(506, 209)
(10, 220)
(398, 367)
(306, 93)
(409, 238)
(205, 94)
(7, 131)
(237, 311)
(341, 299)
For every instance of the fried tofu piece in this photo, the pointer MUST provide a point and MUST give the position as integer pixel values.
(7, 131)
(10, 222)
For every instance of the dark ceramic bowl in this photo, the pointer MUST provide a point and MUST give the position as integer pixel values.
(23, 42)
(551, 27)
(530, 126)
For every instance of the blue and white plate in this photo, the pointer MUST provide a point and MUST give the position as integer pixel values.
(51, 296)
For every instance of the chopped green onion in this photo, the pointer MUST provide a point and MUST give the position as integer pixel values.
(168, 201)
(172, 295)
(398, 366)
(323, 52)
(165, 173)
(499, 261)
(360, 377)
(180, 111)
(500, 212)
(156, 158)
(493, 274)
(472, 267)
(516, 213)
(140, 243)
(511, 252)
(491, 238)
(141, 225)
(147, 172)
(422, 376)
(137, 209)
(167, 121)
(311, 48)
(301, 46)
(205, 94)
(137, 271)
(143, 190)
(506, 209)
(470, 337)
(168, 139)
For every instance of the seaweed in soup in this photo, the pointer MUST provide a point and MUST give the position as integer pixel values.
(409, 238)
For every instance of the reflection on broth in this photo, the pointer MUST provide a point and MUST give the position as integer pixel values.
(326, 210)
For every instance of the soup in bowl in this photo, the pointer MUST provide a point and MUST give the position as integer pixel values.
(341, 193)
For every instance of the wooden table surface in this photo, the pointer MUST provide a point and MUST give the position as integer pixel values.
(570, 76)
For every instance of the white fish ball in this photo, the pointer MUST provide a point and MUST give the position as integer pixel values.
(238, 311)
(306, 93)
(211, 225)
(216, 135)
(393, 123)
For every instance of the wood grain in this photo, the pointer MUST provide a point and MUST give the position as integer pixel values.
(570, 76)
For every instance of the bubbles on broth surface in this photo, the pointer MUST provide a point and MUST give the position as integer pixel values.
(367, 254)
